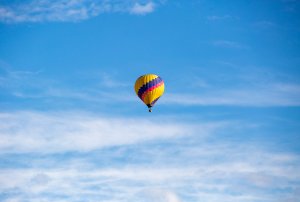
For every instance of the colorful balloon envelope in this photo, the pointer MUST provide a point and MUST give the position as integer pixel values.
(149, 88)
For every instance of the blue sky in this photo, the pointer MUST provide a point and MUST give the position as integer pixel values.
(226, 129)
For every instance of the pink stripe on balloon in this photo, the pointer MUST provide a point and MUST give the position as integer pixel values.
(152, 88)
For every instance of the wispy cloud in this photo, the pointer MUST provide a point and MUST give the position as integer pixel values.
(107, 80)
(277, 94)
(38, 11)
(68, 10)
(142, 9)
(262, 89)
(229, 44)
(290, 5)
(83, 132)
(33, 84)
(231, 84)
(220, 17)
(265, 24)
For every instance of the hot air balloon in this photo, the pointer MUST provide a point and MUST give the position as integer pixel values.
(149, 88)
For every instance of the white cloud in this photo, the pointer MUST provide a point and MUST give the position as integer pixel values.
(68, 10)
(142, 9)
(39, 132)
(158, 195)
(38, 11)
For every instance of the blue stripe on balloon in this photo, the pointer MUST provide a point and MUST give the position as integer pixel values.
(148, 85)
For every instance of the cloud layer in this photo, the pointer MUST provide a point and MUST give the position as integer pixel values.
(76, 156)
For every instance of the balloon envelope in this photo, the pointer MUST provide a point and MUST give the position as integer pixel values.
(149, 88)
